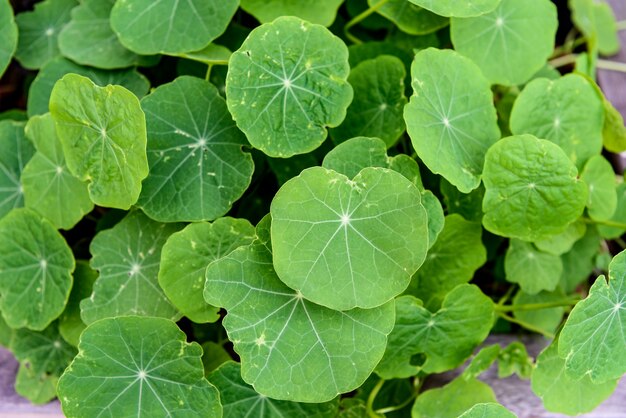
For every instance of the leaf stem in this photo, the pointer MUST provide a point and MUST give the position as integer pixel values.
(505, 297)
(611, 65)
(372, 397)
(536, 306)
(605, 223)
(620, 25)
(416, 388)
(525, 325)
(208, 72)
(563, 60)
(359, 18)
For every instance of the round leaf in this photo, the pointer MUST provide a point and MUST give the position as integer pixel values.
(133, 366)
(532, 269)
(410, 18)
(453, 399)
(286, 84)
(458, 8)
(8, 34)
(322, 12)
(355, 154)
(17, 150)
(348, 243)
(561, 243)
(599, 176)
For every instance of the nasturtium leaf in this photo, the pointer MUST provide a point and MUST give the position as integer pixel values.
(170, 26)
(599, 177)
(373, 49)
(408, 167)
(468, 205)
(348, 243)
(562, 393)
(103, 134)
(197, 165)
(453, 399)
(70, 323)
(563, 242)
(453, 259)
(278, 333)
(458, 8)
(578, 263)
(40, 89)
(465, 317)
(135, 366)
(510, 43)
(17, 150)
(451, 118)
(127, 257)
(514, 359)
(39, 31)
(593, 339)
(531, 189)
(545, 319)
(531, 268)
(355, 154)
(35, 266)
(619, 216)
(89, 40)
(566, 111)
(49, 188)
(286, 84)
(614, 129)
(186, 255)
(411, 18)
(481, 362)
(239, 399)
(210, 55)
(597, 23)
(322, 12)
(436, 217)
(8, 34)
(37, 388)
(376, 109)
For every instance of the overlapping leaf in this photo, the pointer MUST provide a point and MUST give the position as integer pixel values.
(322, 12)
(411, 18)
(532, 269)
(488, 410)
(70, 323)
(453, 399)
(8, 34)
(17, 150)
(458, 9)
(599, 177)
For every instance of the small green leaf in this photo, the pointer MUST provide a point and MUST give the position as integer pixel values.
(599, 176)
(481, 362)
(619, 216)
(468, 205)
(39, 389)
(134, 366)
(563, 242)
(36, 266)
(458, 8)
(8, 34)
(545, 319)
(17, 150)
(286, 84)
(614, 130)
(488, 410)
(436, 218)
(411, 18)
(103, 133)
(70, 323)
(532, 269)
(514, 359)
(322, 12)
(597, 23)
(355, 154)
(453, 399)
(210, 55)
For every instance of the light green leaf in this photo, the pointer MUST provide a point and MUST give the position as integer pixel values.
(599, 176)
(170, 26)
(563, 242)
(376, 109)
(514, 359)
(8, 34)
(240, 399)
(532, 269)
(593, 340)
(39, 31)
(457, 8)
(614, 130)
(49, 188)
(133, 366)
(355, 154)
(532, 190)
(436, 219)
(510, 43)
(40, 89)
(488, 410)
(619, 216)
(70, 323)
(276, 331)
(186, 255)
(17, 150)
(453, 399)
(322, 12)
(468, 205)
(566, 111)
(545, 319)
(451, 118)
(597, 23)
(127, 257)
(481, 362)
(578, 263)
(35, 266)
(561, 393)
(348, 243)
(103, 133)
(411, 18)
(37, 388)
(408, 167)
(197, 165)
(286, 84)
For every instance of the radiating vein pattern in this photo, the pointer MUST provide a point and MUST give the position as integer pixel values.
(17, 150)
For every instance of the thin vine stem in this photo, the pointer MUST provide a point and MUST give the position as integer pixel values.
(611, 65)
(525, 324)
(604, 223)
(620, 25)
(563, 60)
(372, 397)
(536, 306)
(359, 18)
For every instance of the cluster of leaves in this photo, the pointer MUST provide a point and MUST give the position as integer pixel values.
(373, 211)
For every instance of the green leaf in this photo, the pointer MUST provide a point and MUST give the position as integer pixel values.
(197, 165)
(619, 216)
(348, 243)
(563, 242)
(210, 55)
(8, 35)
(614, 130)
(40, 89)
(436, 219)
(510, 43)
(532, 189)
(456, 8)
(70, 323)
(17, 115)
(127, 257)
(6, 333)
(49, 188)
(453, 399)
(170, 26)
(378, 103)
(452, 260)
(566, 111)
(37, 388)
(578, 263)
(213, 356)
(322, 12)
(17, 150)
(597, 23)
(89, 40)
(133, 366)
(468, 205)
(599, 176)
(408, 167)
(355, 154)
(103, 133)
(451, 122)
(352, 408)
(286, 84)
(481, 362)
(532, 269)
(488, 410)
(39, 31)
(545, 319)
(593, 340)
(186, 255)
(465, 317)
(274, 329)
(36, 266)
(410, 18)
(514, 359)
(560, 392)
(240, 399)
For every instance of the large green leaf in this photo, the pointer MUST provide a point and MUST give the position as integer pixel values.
(410, 18)
(348, 243)
(458, 8)
(134, 366)
(511, 43)
(451, 118)
(322, 12)
(599, 176)
(8, 34)
(36, 266)
(286, 84)
(532, 189)
(17, 150)
(532, 269)
(127, 257)
(103, 133)
(186, 255)
(197, 165)
(453, 399)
